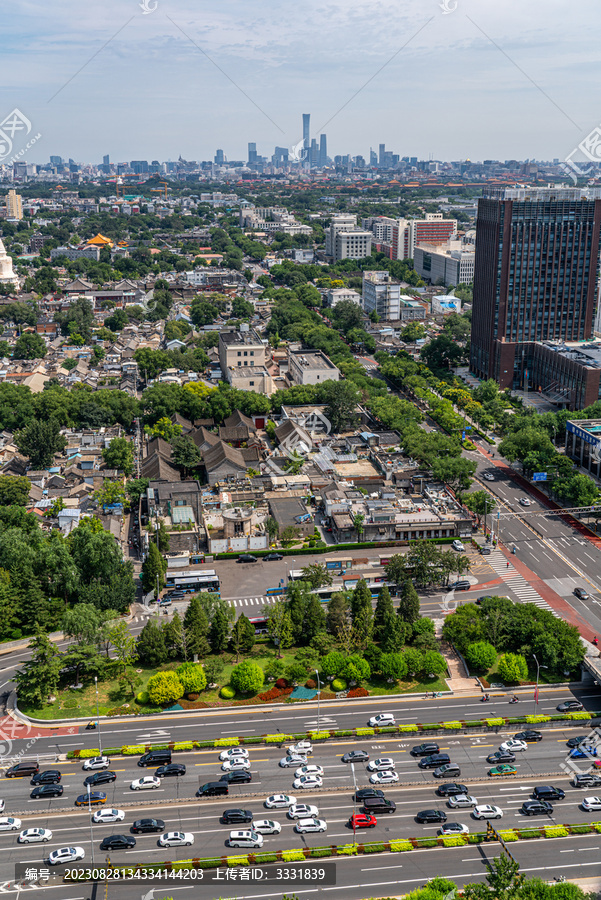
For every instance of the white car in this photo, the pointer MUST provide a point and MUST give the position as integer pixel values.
(2, 805)
(97, 762)
(287, 762)
(489, 476)
(65, 855)
(590, 803)
(247, 839)
(303, 747)
(452, 828)
(307, 782)
(387, 777)
(10, 824)
(462, 801)
(381, 719)
(487, 812)
(514, 746)
(458, 546)
(308, 770)
(380, 765)
(235, 765)
(302, 811)
(304, 826)
(148, 783)
(267, 826)
(233, 753)
(108, 815)
(525, 502)
(34, 836)
(280, 801)
(176, 839)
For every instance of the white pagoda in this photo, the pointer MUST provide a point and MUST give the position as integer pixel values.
(7, 276)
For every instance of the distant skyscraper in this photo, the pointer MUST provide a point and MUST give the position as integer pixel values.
(323, 150)
(306, 130)
(252, 153)
(219, 158)
(14, 206)
(106, 160)
(382, 155)
(373, 157)
(56, 160)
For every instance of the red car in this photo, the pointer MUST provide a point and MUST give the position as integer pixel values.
(362, 820)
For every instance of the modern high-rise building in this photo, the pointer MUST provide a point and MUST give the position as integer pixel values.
(323, 150)
(219, 158)
(407, 234)
(306, 130)
(536, 280)
(252, 153)
(314, 154)
(56, 160)
(106, 160)
(14, 206)
(373, 157)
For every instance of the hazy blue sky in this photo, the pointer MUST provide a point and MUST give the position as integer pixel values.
(457, 88)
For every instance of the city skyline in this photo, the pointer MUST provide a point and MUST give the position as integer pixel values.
(455, 86)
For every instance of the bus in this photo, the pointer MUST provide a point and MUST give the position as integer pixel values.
(195, 581)
(260, 624)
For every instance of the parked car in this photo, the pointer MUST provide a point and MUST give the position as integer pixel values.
(273, 557)
(458, 546)
(247, 558)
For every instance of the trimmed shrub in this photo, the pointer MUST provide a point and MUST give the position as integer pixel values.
(70, 703)
(192, 676)
(406, 728)
(492, 722)
(210, 863)
(478, 723)
(265, 858)
(227, 742)
(597, 826)
(451, 725)
(581, 829)
(427, 842)
(237, 860)
(579, 716)
(310, 684)
(133, 750)
(87, 754)
(535, 720)
(459, 840)
(281, 683)
(277, 738)
(319, 852)
(164, 687)
(143, 697)
(293, 856)
(346, 733)
(476, 838)
(339, 684)
(373, 848)
(183, 745)
(508, 835)
(527, 833)
(431, 726)
(247, 677)
(554, 831)
(227, 692)
(400, 846)
(319, 735)
(347, 850)
(358, 692)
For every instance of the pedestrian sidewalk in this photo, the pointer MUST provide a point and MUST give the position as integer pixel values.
(459, 680)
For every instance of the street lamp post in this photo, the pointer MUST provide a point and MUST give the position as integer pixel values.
(538, 668)
(98, 717)
(318, 696)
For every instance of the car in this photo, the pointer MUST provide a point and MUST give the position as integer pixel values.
(570, 705)
(584, 751)
(451, 828)
(480, 600)
(451, 770)
(267, 826)
(104, 777)
(381, 765)
(591, 803)
(425, 749)
(434, 761)
(462, 801)
(355, 756)
(9, 823)
(287, 762)
(500, 756)
(118, 842)
(581, 594)
(247, 839)
(576, 741)
(586, 779)
(171, 769)
(176, 839)
(147, 826)
(489, 476)
(233, 753)
(49, 776)
(462, 585)
(35, 836)
(548, 792)
(458, 546)
(308, 770)
(236, 815)
(536, 808)
(97, 762)
(502, 770)
(46, 790)
(174, 595)
(514, 746)
(431, 815)
(381, 720)
(303, 748)
(238, 776)
(451, 790)
(247, 558)
(306, 826)
(524, 501)
(93, 798)
(65, 855)
(307, 782)
(368, 794)
(529, 735)
(102, 816)
(486, 811)
(232, 765)
(387, 777)
(302, 811)
(362, 820)
(280, 801)
(485, 549)
(273, 557)
(23, 770)
(147, 783)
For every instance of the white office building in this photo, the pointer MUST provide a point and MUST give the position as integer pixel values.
(382, 295)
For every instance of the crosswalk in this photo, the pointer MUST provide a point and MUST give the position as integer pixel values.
(516, 583)
(240, 602)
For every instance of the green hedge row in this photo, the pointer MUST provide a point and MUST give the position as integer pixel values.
(363, 545)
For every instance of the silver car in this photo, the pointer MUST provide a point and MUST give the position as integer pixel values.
(287, 762)
(462, 801)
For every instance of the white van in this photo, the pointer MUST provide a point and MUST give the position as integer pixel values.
(248, 839)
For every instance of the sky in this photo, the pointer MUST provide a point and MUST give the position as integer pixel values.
(440, 79)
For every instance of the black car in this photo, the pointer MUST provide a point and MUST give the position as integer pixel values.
(103, 777)
(172, 769)
(581, 594)
(273, 557)
(147, 826)
(451, 789)
(425, 749)
(50, 776)
(237, 777)
(576, 741)
(587, 779)
(431, 815)
(118, 842)
(176, 595)
(233, 816)
(434, 761)
(529, 736)
(500, 756)
(47, 790)
(22, 770)
(481, 600)
(536, 808)
(356, 756)
(570, 706)
(548, 792)
(367, 793)
(246, 557)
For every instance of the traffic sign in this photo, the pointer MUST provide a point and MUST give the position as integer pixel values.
(539, 476)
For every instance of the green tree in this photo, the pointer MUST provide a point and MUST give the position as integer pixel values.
(333, 664)
(39, 441)
(316, 575)
(272, 528)
(274, 669)
(153, 570)
(356, 669)
(480, 502)
(30, 346)
(289, 535)
(119, 455)
(481, 656)
(220, 631)
(174, 637)
(213, 667)
(150, 645)
(414, 659)
(456, 472)
(242, 636)
(512, 668)
(192, 677)
(39, 677)
(279, 625)
(341, 399)
(360, 599)
(14, 490)
(384, 616)
(196, 628)
(164, 428)
(412, 332)
(124, 645)
(185, 453)
(314, 619)
(433, 663)
(136, 488)
(247, 677)
(110, 493)
(408, 608)
(164, 688)
(393, 665)
(337, 612)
